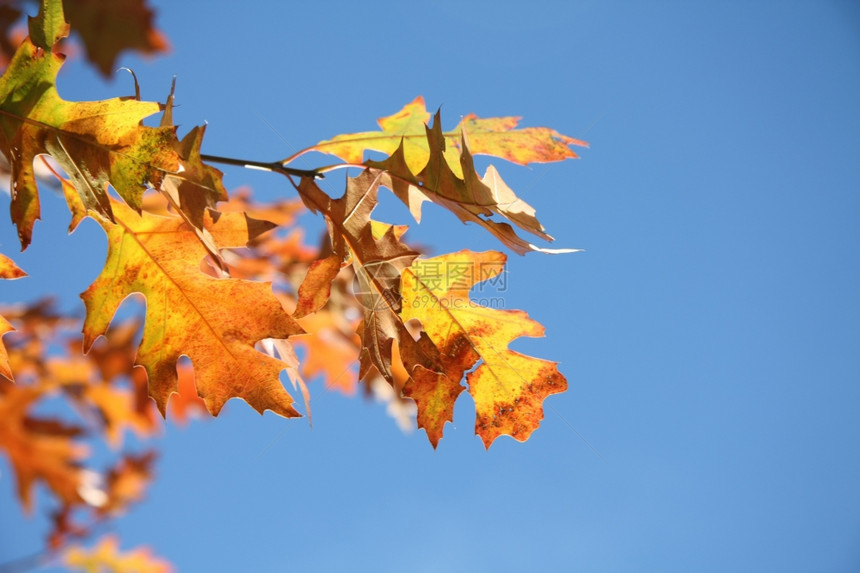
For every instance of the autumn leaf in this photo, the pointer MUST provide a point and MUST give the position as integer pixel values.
(5, 368)
(471, 198)
(331, 350)
(39, 449)
(282, 212)
(106, 558)
(8, 270)
(377, 261)
(112, 408)
(197, 186)
(96, 143)
(126, 483)
(315, 289)
(215, 322)
(185, 404)
(109, 28)
(508, 387)
(497, 136)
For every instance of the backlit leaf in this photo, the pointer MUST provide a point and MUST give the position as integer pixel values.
(496, 136)
(215, 322)
(508, 387)
(96, 143)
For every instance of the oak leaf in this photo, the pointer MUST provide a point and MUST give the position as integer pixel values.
(508, 387)
(470, 197)
(378, 256)
(497, 136)
(96, 143)
(215, 322)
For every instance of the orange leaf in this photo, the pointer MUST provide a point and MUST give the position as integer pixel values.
(8, 269)
(316, 286)
(114, 407)
(329, 352)
(186, 404)
(215, 322)
(508, 387)
(39, 449)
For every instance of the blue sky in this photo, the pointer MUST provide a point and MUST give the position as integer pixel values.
(709, 332)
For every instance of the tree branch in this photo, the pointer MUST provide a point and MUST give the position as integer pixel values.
(275, 166)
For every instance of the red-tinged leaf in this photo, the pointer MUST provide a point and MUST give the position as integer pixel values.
(498, 136)
(215, 322)
(282, 213)
(508, 387)
(107, 558)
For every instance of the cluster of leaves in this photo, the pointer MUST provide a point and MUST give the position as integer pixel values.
(231, 283)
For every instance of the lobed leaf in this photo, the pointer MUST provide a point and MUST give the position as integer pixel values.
(215, 322)
(497, 136)
(96, 143)
(508, 387)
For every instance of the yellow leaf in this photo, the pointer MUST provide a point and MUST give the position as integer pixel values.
(106, 558)
(496, 136)
(508, 387)
(96, 143)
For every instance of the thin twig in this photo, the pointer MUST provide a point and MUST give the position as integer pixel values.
(275, 166)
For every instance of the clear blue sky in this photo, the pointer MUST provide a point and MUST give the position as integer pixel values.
(710, 333)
